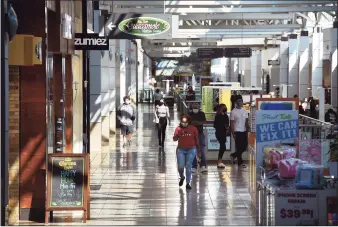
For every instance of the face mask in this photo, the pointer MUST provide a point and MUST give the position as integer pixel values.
(184, 125)
(195, 111)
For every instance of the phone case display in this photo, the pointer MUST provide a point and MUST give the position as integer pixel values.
(309, 176)
(275, 154)
(332, 217)
(288, 168)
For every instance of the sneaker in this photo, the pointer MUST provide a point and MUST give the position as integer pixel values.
(188, 186)
(221, 165)
(244, 166)
(204, 169)
(181, 181)
(194, 170)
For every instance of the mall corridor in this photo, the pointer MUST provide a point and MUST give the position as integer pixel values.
(138, 185)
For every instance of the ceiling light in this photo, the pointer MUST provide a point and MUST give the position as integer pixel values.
(173, 44)
(190, 7)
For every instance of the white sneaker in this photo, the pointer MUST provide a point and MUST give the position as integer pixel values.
(221, 165)
(204, 169)
(194, 170)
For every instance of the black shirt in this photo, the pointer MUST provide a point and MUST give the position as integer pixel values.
(200, 116)
(220, 123)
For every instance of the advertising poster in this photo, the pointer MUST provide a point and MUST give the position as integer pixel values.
(207, 95)
(212, 141)
(296, 208)
(225, 96)
(274, 128)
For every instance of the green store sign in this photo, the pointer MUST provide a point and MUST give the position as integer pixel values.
(144, 26)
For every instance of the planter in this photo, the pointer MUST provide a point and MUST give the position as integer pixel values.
(333, 166)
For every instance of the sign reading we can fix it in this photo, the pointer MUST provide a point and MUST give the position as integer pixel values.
(276, 125)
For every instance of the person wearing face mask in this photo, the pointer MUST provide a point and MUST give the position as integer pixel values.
(126, 115)
(162, 118)
(188, 146)
(190, 95)
(239, 129)
(221, 125)
(198, 120)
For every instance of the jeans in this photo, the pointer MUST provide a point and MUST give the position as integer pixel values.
(241, 143)
(201, 138)
(185, 157)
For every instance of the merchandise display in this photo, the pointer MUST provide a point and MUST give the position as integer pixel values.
(275, 154)
(309, 176)
(288, 167)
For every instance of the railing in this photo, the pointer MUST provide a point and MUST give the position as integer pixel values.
(311, 128)
(146, 96)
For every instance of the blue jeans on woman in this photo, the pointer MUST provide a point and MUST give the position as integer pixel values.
(185, 157)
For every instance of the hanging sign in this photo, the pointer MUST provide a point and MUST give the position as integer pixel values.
(296, 208)
(210, 53)
(237, 52)
(139, 26)
(84, 41)
(273, 62)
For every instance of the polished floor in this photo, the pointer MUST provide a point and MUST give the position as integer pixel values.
(138, 185)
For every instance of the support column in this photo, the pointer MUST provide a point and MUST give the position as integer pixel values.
(284, 62)
(304, 67)
(234, 70)
(334, 79)
(273, 70)
(293, 65)
(256, 69)
(112, 90)
(245, 70)
(317, 61)
(219, 69)
(122, 75)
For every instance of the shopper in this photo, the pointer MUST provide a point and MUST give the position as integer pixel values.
(162, 118)
(126, 115)
(198, 120)
(188, 146)
(221, 125)
(190, 95)
(331, 116)
(239, 128)
(157, 97)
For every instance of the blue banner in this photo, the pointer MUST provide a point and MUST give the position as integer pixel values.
(277, 131)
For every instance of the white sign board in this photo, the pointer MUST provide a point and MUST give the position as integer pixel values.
(296, 207)
(213, 142)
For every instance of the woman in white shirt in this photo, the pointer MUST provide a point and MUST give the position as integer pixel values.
(162, 118)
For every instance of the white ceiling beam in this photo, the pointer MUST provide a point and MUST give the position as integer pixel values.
(227, 10)
(245, 27)
(227, 35)
(244, 3)
(210, 3)
(237, 16)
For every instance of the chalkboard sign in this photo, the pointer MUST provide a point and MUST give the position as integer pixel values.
(67, 182)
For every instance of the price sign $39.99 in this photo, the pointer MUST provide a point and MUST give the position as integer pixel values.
(295, 213)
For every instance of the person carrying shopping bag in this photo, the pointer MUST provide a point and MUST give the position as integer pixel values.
(162, 119)
(188, 146)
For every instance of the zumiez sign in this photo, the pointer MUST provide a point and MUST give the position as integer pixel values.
(144, 26)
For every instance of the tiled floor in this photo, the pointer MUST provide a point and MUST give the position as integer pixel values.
(138, 185)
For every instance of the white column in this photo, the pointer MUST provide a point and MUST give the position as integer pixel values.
(284, 62)
(133, 67)
(256, 69)
(334, 79)
(220, 69)
(273, 70)
(330, 52)
(234, 70)
(245, 70)
(293, 65)
(317, 60)
(253, 59)
(123, 91)
(304, 67)
(112, 89)
(140, 68)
